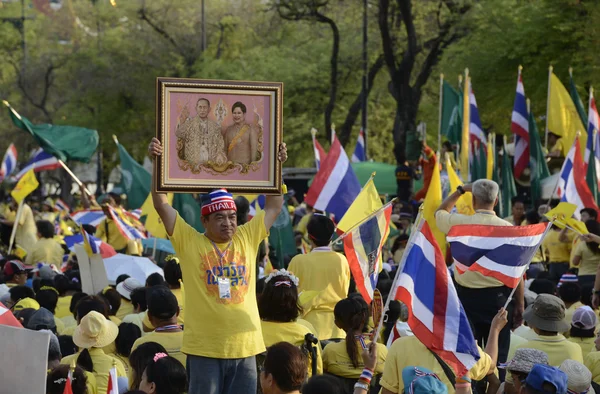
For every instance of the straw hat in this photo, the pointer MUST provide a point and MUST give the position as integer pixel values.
(579, 377)
(95, 330)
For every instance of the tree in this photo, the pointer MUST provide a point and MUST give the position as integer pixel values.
(419, 56)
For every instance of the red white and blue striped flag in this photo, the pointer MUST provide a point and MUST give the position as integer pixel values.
(520, 128)
(92, 217)
(40, 161)
(359, 151)
(125, 228)
(593, 136)
(362, 246)
(60, 205)
(320, 154)
(436, 316)
(501, 252)
(9, 163)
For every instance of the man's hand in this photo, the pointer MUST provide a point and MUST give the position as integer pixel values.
(281, 155)
(468, 187)
(518, 315)
(369, 356)
(499, 320)
(155, 149)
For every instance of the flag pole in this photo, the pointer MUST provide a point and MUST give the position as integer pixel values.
(548, 227)
(411, 240)
(464, 146)
(13, 233)
(548, 104)
(332, 133)
(439, 149)
(344, 235)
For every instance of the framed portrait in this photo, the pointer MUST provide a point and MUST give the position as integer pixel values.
(219, 134)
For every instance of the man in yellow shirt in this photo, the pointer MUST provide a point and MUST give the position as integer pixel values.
(546, 317)
(222, 332)
(26, 230)
(162, 312)
(482, 295)
(46, 249)
(324, 279)
(108, 232)
(557, 248)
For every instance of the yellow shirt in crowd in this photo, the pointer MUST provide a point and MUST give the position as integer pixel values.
(558, 348)
(102, 366)
(337, 362)
(586, 344)
(26, 235)
(45, 250)
(220, 327)
(114, 237)
(445, 221)
(178, 293)
(294, 333)
(172, 341)
(62, 307)
(137, 319)
(301, 226)
(557, 251)
(592, 362)
(589, 260)
(60, 326)
(125, 309)
(324, 277)
(409, 351)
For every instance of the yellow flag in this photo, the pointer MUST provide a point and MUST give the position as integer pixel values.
(464, 144)
(365, 204)
(562, 211)
(563, 118)
(464, 205)
(432, 201)
(153, 223)
(490, 157)
(26, 185)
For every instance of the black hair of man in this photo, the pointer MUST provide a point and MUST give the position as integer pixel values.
(45, 228)
(320, 229)
(162, 303)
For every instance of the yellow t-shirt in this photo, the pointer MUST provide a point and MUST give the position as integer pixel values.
(337, 362)
(45, 250)
(178, 293)
(592, 362)
(589, 261)
(60, 326)
(124, 360)
(125, 309)
(292, 332)
(324, 278)
(301, 226)
(137, 319)
(115, 320)
(69, 321)
(445, 221)
(558, 348)
(587, 344)
(556, 251)
(172, 341)
(102, 366)
(62, 307)
(217, 327)
(511, 220)
(558, 147)
(26, 235)
(114, 237)
(409, 351)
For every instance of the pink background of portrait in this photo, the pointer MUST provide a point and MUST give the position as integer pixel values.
(177, 103)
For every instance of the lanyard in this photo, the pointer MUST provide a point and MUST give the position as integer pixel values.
(170, 327)
(218, 251)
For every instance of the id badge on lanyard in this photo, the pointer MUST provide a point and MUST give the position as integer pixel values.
(224, 288)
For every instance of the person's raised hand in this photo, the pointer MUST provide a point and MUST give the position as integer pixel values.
(155, 149)
(282, 154)
(369, 356)
(468, 187)
(500, 320)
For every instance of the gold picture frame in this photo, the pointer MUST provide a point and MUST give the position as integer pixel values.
(219, 134)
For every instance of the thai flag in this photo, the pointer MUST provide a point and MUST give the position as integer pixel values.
(62, 206)
(92, 217)
(436, 316)
(335, 186)
(499, 252)
(593, 137)
(362, 247)
(572, 185)
(95, 244)
(136, 213)
(520, 128)
(318, 149)
(113, 386)
(359, 151)
(7, 318)
(41, 161)
(475, 130)
(126, 229)
(256, 205)
(9, 163)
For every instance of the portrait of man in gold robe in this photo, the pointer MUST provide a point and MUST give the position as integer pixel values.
(242, 138)
(200, 140)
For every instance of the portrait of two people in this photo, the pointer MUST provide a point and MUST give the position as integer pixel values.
(202, 142)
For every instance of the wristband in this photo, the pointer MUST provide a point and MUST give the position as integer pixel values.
(360, 385)
(460, 189)
(462, 385)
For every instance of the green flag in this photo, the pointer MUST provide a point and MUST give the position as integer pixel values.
(451, 113)
(509, 189)
(135, 180)
(577, 100)
(281, 239)
(537, 161)
(63, 142)
(189, 209)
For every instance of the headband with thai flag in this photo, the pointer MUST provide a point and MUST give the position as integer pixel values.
(216, 201)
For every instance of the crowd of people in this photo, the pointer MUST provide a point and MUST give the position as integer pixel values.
(220, 320)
